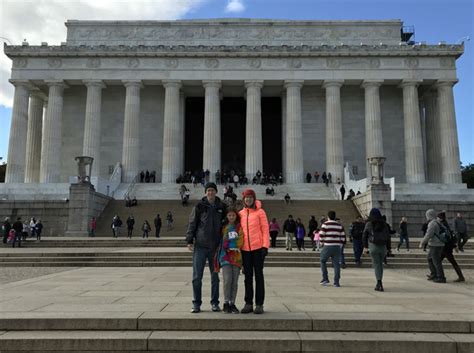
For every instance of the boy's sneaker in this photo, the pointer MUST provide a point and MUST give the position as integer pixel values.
(226, 308)
(324, 282)
(258, 309)
(215, 308)
(247, 309)
(233, 309)
(195, 310)
(336, 285)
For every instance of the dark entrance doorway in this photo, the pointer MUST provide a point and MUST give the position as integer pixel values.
(233, 112)
(271, 135)
(193, 134)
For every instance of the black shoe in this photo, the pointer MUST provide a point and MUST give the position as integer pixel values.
(215, 308)
(379, 287)
(460, 279)
(343, 266)
(226, 308)
(430, 277)
(248, 308)
(439, 280)
(258, 309)
(233, 309)
(195, 310)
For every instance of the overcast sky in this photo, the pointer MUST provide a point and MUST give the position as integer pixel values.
(435, 20)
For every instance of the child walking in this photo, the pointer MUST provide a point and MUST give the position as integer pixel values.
(316, 239)
(229, 258)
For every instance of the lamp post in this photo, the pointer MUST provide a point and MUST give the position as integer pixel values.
(84, 169)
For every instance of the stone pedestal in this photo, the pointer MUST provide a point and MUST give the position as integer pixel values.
(81, 198)
(378, 196)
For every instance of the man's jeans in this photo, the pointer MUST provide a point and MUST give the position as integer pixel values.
(435, 261)
(358, 249)
(333, 252)
(16, 239)
(200, 255)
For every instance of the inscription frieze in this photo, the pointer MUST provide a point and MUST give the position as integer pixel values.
(55, 63)
(20, 63)
(93, 63)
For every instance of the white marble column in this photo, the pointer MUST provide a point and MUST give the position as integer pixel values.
(131, 131)
(212, 128)
(172, 132)
(294, 133)
(182, 118)
(450, 162)
(433, 135)
(414, 161)
(334, 146)
(92, 125)
(18, 130)
(283, 134)
(50, 169)
(253, 129)
(33, 139)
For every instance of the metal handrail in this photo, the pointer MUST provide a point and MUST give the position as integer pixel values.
(131, 186)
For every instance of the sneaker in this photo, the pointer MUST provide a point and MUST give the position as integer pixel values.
(226, 308)
(248, 308)
(337, 285)
(430, 277)
(233, 309)
(439, 280)
(324, 282)
(215, 308)
(195, 310)
(258, 309)
(343, 266)
(408, 250)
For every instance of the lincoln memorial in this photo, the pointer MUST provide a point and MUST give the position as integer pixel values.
(269, 95)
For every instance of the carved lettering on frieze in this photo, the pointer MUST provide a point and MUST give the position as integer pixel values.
(20, 63)
(333, 63)
(374, 63)
(133, 63)
(294, 63)
(255, 63)
(412, 63)
(447, 62)
(54, 63)
(93, 63)
(171, 63)
(211, 63)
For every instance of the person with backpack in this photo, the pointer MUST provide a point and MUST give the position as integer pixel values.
(39, 229)
(434, 237)
(18, 228)
(375, 237)
(448, 249)
(6, 226)
(312, 227)
(355, 236)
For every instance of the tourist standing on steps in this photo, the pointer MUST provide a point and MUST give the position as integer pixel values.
(300, 234)
(403, 234)
(229, 258)
(460, 230)
(356, 231)
(312, 226)
(203, 237)
(6, 226)
(375, 237)
(116, 225)
(18, 228)
(169, 221)
(448, 249)
(158, 223)
(289, 228)
(333, 238)
(146, 228)
(39, 229)
(130, 225)
(92, 227)
(254, 222)
(274, 230)
(436, 247)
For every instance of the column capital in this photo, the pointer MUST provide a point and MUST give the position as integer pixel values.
(56, 83)
(94, 83)
(410, 82)
(372, 83)
(333, 83)
(212, 83)
(133, 83)
(172, 83)
(37, 93)
(294, 83)
(253, 83)
(24, 83)
(445, 83)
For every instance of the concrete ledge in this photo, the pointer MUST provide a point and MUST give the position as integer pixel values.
(465, 343)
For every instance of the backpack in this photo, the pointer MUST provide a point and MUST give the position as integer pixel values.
(379, 238)
(446, 236)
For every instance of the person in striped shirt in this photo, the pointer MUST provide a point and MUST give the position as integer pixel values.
(333, 237)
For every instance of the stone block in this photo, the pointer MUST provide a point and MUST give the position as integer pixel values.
(464, 342)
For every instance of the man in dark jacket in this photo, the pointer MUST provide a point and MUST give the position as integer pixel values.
(203, 236)
(460, 230)
(6, 226)
(289, 228)
(130, 224)
(158, 223)
(355, 236)
(18, 227)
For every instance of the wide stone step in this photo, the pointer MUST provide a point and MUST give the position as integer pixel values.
(235, 341)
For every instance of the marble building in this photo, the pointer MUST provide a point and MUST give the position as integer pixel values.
(290, 96)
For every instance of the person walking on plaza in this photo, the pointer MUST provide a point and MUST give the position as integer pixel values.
(202, 237)
(39, 229)
(356, 231)
(289, 228)
(316, 239)
(403, 234)
(18, 228)
(158, 223)
(116, 225)
(254, 222)
(312, 226)
(375, 237)
(342, 190)
(460, 230)
(300, 234)
(448, 249)
(92, 227)
(274, 230)
(169, 220)
(436, 246)
(333, 238)
(229, 258)
(146, 228)
(6, 226)
(130, 225)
